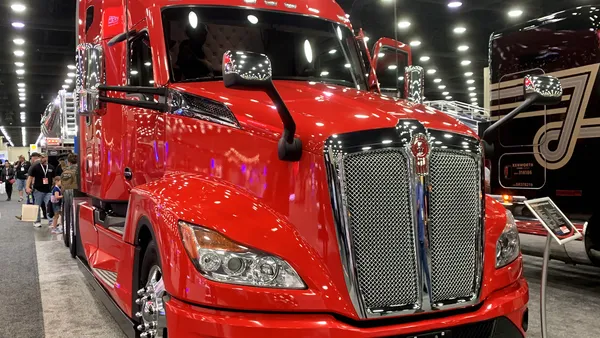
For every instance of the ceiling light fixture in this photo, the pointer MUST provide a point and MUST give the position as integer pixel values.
(22, 98)
(463, 48)
(465, 62)
(473, 99)
(73, 74)
(19, 64)
(20, 71)
(404, 24)
(65, 86)
(332, 51)
(515, 13)
(470, 81)
(431, 71)
(460, 30)
(454, 4)
(415, 43)
(21, 90)
(467, 74)
(69, 81)
(18, 24)
(445, 93)
(437, 80)
(425, 58)
(380, 55)
(472, 94)
(448, 97)
(22, 105)
(442, 87)
(253, 19)
(19, 53)
(17, 7)
(18, 41)
(71, 67)
(20, 84)
(472, 89)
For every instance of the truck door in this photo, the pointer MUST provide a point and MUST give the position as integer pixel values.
(148, 158)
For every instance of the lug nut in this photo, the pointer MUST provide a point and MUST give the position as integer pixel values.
(141, 292)
(140, 301)
(145, 335)
(142, 327)
(138, 314)
(150, 289)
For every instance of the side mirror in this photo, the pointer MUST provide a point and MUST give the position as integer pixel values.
(538, 90)
(390, 58)
(543, 90)
(414, 83)
(247, 70)
(252, 71)
(90, 75)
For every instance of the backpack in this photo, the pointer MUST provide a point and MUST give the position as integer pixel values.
(69, 177)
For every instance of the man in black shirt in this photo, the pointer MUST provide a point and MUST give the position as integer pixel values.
(21, 169)
(40, 177)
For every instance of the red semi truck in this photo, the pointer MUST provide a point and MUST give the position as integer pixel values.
(242, 176)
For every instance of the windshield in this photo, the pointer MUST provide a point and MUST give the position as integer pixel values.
(300, 47)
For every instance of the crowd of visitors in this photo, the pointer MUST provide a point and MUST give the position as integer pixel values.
(38, 182)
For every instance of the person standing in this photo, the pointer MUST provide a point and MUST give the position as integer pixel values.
(21, 169)
(41, 179)
(8, 177)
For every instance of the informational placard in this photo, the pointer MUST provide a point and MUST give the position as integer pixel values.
(555, 222)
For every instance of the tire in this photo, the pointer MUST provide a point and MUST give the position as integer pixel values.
(151, 281)
(592, 241)
(66, 218)
(72, 229)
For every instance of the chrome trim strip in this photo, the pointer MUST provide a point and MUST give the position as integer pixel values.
(401, 136)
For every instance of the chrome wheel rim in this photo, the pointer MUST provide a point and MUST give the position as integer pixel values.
(152, 314)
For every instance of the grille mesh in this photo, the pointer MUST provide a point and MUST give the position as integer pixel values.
(211, 108)
(377, 197)
(454, 223)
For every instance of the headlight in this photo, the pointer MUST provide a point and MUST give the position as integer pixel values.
(220, 259)
(508, 246)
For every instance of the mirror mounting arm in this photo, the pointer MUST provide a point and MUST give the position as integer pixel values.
(490, 132)
(289, 147)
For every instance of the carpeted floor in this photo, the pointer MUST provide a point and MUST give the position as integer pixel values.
(20, 300)
(43, 293)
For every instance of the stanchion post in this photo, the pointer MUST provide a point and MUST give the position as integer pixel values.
(543, 288)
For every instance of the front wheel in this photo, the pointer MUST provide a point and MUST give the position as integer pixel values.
(152, 311)
(66, 218)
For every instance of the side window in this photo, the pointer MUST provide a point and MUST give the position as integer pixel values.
(89, 18)
(140, 62)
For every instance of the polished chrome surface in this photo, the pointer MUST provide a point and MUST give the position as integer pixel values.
(152, 312)
(414, 82)
(397, 185)
(547, 89)
(92, 75)
(248, 66)
(108, 277)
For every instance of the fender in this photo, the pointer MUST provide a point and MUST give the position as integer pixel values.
(235, 213)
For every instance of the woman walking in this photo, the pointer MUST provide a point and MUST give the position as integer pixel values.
(8, 177)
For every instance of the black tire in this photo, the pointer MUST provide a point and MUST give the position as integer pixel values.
(150, 261)
(592, 240)
(73, 230)
(66, 218)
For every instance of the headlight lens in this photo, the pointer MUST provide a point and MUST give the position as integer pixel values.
(508, 246)
(220, 259)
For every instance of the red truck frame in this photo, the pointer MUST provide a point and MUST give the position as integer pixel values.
(229, 205)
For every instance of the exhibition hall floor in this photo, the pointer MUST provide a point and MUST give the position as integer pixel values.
(43, 293)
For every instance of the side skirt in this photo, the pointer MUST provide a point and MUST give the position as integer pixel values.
(124, 322)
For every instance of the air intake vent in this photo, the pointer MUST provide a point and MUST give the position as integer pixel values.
(203, 108)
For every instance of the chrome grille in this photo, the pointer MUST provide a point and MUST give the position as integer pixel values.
(454, 224)
(376, 193)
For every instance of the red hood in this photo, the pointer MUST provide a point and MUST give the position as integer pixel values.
(321, 110)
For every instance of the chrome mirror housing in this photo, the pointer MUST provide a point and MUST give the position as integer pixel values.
(414, 83)
(542, 89)
(90, 69)
(246, 69)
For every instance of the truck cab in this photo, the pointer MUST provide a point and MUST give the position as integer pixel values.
(243, 176)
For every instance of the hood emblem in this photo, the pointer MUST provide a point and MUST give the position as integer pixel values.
(419, 147)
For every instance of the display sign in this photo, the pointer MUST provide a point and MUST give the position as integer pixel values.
(50, 141)
(555, 222)
(33, 148)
